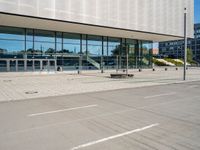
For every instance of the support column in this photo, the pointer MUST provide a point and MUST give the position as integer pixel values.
(48, 65)
(33, 65)
(55, 64)
(117, 63)
(102, 55)
(16, 65)
(127, 57)
(80, 64)
(8, 65)
(185, 44)
(25, 65)
(41, 65)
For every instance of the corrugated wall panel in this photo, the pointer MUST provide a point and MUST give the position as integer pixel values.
(159, 16)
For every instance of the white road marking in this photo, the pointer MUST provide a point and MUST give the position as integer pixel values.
(114, 137)
(61, 110)
(193, 86)
(160, 95)
(95, 116)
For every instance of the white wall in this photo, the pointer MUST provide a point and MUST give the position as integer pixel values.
(159, 16)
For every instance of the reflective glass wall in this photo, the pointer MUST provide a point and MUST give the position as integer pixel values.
(12, 42)
(70, 51)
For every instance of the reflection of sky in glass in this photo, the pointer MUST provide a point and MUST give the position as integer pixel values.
(11, 45)
(94, 48)
(197, 11)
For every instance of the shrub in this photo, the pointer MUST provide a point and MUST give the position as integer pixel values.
(158, 63)
(173, 61)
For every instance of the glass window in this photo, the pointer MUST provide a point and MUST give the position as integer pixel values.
(146, 49)
(84, 44)
(132, 46)
(58, 42)
(114, 46)
(12, 42)
(105, 46)
(44, 43)
(113, 52)
(29, 43)
(71, 43)
(94, 46)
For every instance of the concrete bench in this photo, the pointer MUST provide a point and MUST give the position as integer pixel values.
(121, 75)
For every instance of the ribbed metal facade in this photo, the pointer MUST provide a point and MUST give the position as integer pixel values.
(158, 16)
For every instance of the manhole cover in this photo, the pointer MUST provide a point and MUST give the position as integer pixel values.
(31, 92)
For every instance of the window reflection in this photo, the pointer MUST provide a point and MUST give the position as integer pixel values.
(11, 42)
(67, 47)
(71, 43)
(146, 49)
(44, 43)
(94, 45)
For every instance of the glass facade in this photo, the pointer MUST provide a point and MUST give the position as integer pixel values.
(32, 49)
(12, 42)
(175, 49)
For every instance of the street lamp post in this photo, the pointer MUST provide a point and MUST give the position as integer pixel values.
(185, 47)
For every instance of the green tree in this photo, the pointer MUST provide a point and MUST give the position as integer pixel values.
(189, 55)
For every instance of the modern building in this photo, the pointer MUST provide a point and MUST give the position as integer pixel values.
(87, 34)
(176, 48)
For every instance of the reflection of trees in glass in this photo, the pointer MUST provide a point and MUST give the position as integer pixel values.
(116, 51)
(34, 52)
(3, 51)
(131, 59)
(66, 51)
(50, 51)
(146, 52)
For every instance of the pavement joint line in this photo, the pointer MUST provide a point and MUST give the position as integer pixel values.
(61, 110)
(159, 95)
(114, 136)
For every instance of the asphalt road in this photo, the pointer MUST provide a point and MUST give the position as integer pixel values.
(157, 117)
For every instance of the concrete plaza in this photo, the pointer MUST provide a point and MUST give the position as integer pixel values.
(18, 86)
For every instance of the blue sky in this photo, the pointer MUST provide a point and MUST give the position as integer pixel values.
(197, 11)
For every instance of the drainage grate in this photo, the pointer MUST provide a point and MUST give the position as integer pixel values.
(31, 92)
(7, 80)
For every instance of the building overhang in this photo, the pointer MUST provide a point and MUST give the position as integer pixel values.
(74, 27)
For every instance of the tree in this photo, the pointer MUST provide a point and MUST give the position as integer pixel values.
(189, 55)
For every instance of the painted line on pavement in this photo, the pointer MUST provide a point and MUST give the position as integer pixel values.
(160, 95)
(114, 137)
(60, 110)
(193, 86)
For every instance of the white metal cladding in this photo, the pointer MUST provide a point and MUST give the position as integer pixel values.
(158, 16)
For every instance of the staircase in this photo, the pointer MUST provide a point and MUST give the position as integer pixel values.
(93, 62)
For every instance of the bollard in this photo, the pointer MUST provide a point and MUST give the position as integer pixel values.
(140, 70)
(154, 69)
(176, 68)
(165, 69)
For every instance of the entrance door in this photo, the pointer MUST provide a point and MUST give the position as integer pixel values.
(21, 65)
(3, 66)
(51, 65)
(37, 65)
(12, 65)
(45, 66)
